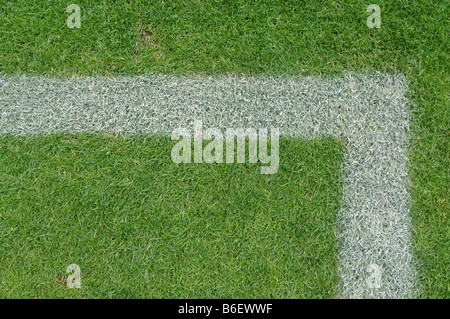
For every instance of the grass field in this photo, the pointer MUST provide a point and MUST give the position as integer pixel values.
(141, 226)
(210, 38)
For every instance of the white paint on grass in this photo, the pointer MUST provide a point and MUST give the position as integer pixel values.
(368, 112)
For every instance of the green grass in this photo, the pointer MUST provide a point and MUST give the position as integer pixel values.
(266, 37)
(139, 225)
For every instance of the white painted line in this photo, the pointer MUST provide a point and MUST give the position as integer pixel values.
(368, 112)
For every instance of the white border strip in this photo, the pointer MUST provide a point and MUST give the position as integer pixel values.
(369, 112)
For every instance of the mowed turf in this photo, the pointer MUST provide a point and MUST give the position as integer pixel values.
(265, 37)
(139, 225)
